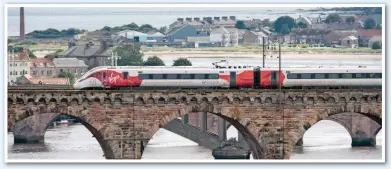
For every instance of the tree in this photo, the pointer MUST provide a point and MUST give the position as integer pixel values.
(145, 28)
(284, 24)
(333, 18)
(350, 19)
(132, 26)
(376, 45)
(9, 41)
(130, 55)
(106, 28)
(302, 25)
(163, 29)
(182, 62)
(68, 75)
(240, 25)
(154, 61)
(369, 24)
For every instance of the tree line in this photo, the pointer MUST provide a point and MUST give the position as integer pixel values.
(54, 33)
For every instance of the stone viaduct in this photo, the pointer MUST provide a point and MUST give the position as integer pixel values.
(271, 122)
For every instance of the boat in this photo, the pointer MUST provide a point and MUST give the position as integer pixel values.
(64, 122)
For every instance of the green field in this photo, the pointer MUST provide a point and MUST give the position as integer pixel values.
(43, 47)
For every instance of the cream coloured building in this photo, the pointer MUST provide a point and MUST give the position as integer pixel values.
(18, 65)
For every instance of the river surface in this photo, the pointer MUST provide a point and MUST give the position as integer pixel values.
(325, 140)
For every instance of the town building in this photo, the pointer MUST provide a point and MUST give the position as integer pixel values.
(220, 35)
(179, 34)
(27, 79)
(42, 67)
(365, 35)
(251, 37)
(305, 20)
(71, 65)
(18, 65)
(93, 55)
(349, 42)
(308, 36)
(334, 37)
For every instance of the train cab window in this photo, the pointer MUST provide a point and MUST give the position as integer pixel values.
(319, 76)
(199, 76)
(333, 76)
(157, 76)
(172, 76)
(185, 76)
(125, 74)
(143, 76)
(213, 76)
(306, 75)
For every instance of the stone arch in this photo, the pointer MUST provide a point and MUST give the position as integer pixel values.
(268, 100)
(246, 101)
(118, 101)
(352, 99)
(245, 128)
(31, 101)
(64, 101)
(19, 101)
(225, 100)
(150, 100)
(86, 101)
(236, 100)
(258, 100)
(42, 101)
(193, 100)
(321, 100)
(96, 100)
(204, 100)
(74, 101)
(24, 133)
(140, 100)
(299, 100)
(342, 100)
(215, 100)
(10, 101)
(53, 100)
(107, 101)
(331, 100)
(161, 100)
(184, 100)
(289, 100)
(364, 100)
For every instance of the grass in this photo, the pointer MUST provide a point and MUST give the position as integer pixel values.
(42, 47)
(258, 49)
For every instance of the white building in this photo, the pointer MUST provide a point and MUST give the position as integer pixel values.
(220, 35)
(19, 65)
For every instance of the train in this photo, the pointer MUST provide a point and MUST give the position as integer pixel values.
(188, 77)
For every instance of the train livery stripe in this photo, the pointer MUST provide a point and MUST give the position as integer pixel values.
(245, 78)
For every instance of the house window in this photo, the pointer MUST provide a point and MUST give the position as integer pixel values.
(61, 70)
(42, 72)
(16, 73)
(10, 73)
(10, 64)
(34, 72)
(16, 64)
(48, 73)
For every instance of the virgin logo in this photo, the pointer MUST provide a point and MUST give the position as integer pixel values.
(113, 78)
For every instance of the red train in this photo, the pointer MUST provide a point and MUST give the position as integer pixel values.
(245, 77)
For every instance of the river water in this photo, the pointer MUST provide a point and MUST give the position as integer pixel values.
(325, 140)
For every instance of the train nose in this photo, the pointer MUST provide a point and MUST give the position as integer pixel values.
(74, 86)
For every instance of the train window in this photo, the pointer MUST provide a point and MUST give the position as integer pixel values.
(376, 75)
(157, 76)
(213, 76)
(164, 76)
(125, 74)
(306, 76)
(292, 76)
(199, 76)
(172, 76)
(333, 76)
(185, 76)
(143, 76)
(104, 75)
(319, 76)
(347, 76)
(221, 71)
(359, 75)
(326, 76)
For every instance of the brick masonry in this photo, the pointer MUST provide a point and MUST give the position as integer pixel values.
(123, 122)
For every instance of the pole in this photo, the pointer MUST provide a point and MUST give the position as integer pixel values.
(279, 86)
(263, 51)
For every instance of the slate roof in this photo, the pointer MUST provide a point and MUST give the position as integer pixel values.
(68, 62)
(41, 62)
(81, 51)
(370, 32)
(46, 80)
(349, 38)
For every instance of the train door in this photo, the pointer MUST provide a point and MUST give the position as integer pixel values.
(257, 78)
(232, 80)
(274, 79)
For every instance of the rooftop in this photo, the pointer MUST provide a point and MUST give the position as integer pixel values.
(68, 62)
(46, 80)
(41, 62)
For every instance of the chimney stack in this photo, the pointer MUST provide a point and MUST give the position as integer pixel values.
(224, 18)
(188, 19)
(204, 18)
(216, 18)
(197, 19)
(232, 18)
(21, 31)
(180, 19)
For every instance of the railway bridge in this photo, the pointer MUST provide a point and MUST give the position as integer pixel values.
(272, 122)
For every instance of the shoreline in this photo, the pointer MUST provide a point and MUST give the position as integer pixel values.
(269, 56)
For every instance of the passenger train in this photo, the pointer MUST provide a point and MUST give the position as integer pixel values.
(244, 77)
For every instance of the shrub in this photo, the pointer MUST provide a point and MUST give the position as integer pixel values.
(376, 45)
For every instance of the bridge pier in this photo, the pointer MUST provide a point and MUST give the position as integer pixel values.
(202, 120)
(32, 129)
(185, 119)
(222, 129)
(300, 142)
